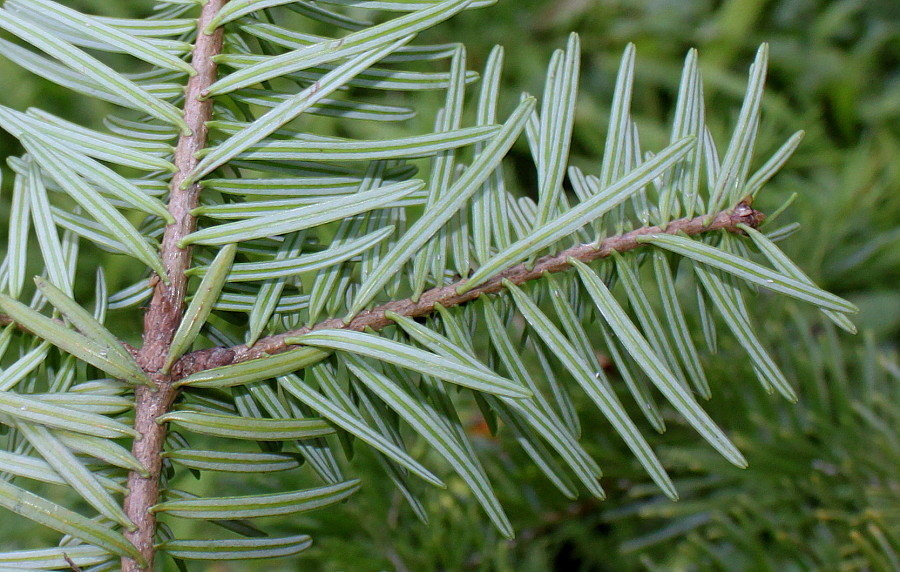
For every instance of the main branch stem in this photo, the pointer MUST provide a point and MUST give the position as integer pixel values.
(167, 305)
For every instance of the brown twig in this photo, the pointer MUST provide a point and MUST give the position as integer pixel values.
(167, 305)
(447, 296)
(71, 563)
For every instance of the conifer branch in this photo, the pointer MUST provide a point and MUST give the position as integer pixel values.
(167, 305)
(447, 296)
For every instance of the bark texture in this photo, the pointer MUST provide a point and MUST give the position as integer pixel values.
(167, 305)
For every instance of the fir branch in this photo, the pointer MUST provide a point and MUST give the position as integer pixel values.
(167, 305)
(447, 296)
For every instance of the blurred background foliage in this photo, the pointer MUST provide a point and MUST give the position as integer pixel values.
(822, 491)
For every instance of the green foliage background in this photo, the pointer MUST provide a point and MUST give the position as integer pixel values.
(821, 491)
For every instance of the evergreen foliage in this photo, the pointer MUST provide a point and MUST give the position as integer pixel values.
(328, 281)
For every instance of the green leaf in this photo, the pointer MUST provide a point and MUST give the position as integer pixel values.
(235, 10)
(372, 78)
(45, 229)
(288, 109)
(619, 130)
(55, 517)
(254, 506)
(108, 182)
(636, 385)
(19, 225)
(99, 146)
(56, 73)
(255, 370)
(627, 271)
(264, 306)
(99, 140)
(17, 371)
(229, 462)
(75, 473)
(94, 203)
(201, 305)
(436, 342)
(489, 216)
(653, 366)
(539, 414)
(237, 427)
(65, 376)
(40, 470)
(570, 323)
(249, 271)
(772, 166)
(335, 19)
(151, 27)
(316, 451)
(370, 38)
(749, 271)
(54, 558)
(140, 131)
(99, 404)
(729, 184)
(103, 449)
(678, 325)
(355, 426)
(557, 122)
(78, 140)
(309, 188)
(563, 226)
(788, 268)
(302, 218)
(420, 416)
(427, 363)
(355, 150)
(681, 192)
(41, 413)
(327, 107)
(385, 421)
(398, 476)
(236, 548)
(599, 393)
(530, 442)
(254, 208)
(103, 32)
(445, 208)
(728, 301)
(294, 40)
(95, 233)
(94, 352)
(443, 166)
(270, 292)
(85, 322)
(104, 76)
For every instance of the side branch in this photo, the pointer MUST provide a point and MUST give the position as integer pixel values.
(447, 296)
(167, 305)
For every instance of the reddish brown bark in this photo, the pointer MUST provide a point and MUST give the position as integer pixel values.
(167, 305)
